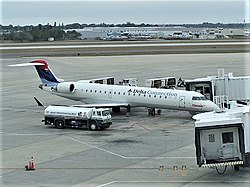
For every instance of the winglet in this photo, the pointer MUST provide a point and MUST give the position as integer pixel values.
(38, 102)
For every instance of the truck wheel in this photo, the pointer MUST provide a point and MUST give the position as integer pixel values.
(59, 124)
(93, 126)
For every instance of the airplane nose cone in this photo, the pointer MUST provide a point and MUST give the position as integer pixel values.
(210, 106)
(213, 107)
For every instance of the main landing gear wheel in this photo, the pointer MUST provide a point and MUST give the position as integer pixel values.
(159, 112)
(151, 111)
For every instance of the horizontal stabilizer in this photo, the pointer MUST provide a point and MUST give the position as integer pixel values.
(27, 64)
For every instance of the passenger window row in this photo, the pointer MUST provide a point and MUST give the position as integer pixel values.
(124, 93)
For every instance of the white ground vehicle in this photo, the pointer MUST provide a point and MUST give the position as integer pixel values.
(77, 117)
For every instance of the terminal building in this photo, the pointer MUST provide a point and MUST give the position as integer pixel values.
(167, 33)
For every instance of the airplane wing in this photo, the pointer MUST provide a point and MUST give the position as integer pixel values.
(104, 105)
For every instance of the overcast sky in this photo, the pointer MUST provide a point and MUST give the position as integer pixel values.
(33, 12)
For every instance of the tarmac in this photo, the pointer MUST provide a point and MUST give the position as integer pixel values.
(135, 151)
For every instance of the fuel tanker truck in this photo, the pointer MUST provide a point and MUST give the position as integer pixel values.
(77, 117)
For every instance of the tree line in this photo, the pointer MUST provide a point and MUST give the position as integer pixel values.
(74, 26)
(127, 24)
(39, 33)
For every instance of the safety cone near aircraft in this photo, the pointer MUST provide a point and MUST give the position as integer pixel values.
(31, 165)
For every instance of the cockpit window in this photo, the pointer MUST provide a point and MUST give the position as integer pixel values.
(199, 98)
(196, 98)
(203, 98)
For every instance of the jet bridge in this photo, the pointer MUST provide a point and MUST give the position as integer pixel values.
(129, 82)
(223, 139)
(235, 88)
(104, 80)
(163, 82)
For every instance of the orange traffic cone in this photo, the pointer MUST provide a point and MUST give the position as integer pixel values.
(31, 165)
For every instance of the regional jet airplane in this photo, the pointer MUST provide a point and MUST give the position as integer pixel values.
(116, 96)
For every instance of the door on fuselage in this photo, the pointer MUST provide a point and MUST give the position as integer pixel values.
(182, 102)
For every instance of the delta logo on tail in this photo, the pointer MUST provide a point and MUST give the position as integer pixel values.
(46, 75)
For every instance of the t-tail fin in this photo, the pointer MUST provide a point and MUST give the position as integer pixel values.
(46, 75)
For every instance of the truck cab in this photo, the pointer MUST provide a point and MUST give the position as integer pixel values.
(102, 116)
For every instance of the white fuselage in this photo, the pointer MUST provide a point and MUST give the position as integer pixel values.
(91, 93)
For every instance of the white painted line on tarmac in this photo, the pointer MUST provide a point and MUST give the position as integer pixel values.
(126, 157)
(122, 45)
(112, 153)
(166, 182)
(23, 134)
(109, 183)
(160, 157)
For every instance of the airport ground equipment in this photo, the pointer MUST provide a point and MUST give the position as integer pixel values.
(103, 80)
(223, 139)
(164, 82)
(129, 82)
(111, 81)
(77, 117)
(234, 88)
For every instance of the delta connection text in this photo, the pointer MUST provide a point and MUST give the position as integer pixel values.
(150, 92)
